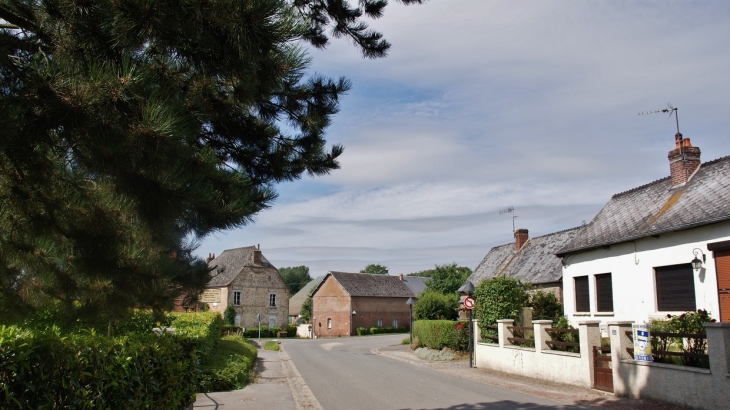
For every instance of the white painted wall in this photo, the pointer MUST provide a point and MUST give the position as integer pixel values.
(632, 273)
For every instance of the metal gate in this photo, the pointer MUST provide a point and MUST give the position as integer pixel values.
(602, 372)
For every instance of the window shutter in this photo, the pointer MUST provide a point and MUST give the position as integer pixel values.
(675, 288)
(722, 266)
(582, 298)
(604, 293)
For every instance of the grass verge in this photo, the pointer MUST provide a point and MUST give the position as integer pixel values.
(229, 366)
(271, 345)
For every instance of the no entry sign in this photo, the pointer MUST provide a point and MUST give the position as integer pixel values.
(469, 302)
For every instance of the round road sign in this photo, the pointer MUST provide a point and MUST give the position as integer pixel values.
(469, 302)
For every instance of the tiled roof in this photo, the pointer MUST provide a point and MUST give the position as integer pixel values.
(296, 301)
(365, 284)
(228, 264)
(535, 263)
(416, 284)
(657, 208)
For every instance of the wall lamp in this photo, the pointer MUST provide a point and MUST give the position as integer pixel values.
(696, 262)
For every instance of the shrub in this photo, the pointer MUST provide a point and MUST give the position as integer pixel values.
(545, 306)
(437, 334)
(406, 341)
(687, 323)
(291, 331)
(229, 366)
(498, 298)
(387, 329)
(362, 331)
(42, 369)
(562, 323)
(229, 316)
(198, 331)
(436, 306)
(232, 330)
(271, 345)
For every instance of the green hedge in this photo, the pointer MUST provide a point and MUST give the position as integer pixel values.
(198, 331)
(253, 332)
(229, 367)
(42, 369)
(387, 329)
(437, 334)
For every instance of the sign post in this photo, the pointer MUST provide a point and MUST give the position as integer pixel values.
(258, 317)
(469, 305)
(642, 342)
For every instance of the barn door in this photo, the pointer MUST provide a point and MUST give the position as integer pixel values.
(722, 266)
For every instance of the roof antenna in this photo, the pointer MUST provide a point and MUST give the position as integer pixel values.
(510, 210)
(678, 137)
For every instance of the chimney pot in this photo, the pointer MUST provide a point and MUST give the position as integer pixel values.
(400, 276)
(209, 258)
(521, 236)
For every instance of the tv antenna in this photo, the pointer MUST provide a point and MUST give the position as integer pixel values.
(671, 110)
(510, 210)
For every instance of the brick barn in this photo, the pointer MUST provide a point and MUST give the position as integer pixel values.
(345, 301)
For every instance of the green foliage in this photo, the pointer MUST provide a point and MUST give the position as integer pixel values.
(229, 367)
(306, 311)
(198, 331)
(361, 331)
(406, 341)
(437, 334)
(375, 269)
(42, 369)
(433, 305)
(545, 306)
(686, 323)
(271, 345)
(229, 316)
(562, 323)
(447, 279)
(132, 130)
(387, 329)
(295, 277)
(232, 330)
(498, 298)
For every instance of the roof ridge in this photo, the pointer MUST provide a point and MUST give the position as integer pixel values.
(556, 232)
(714, 161)
(641, 187)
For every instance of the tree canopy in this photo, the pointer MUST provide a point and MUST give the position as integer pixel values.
(133, 129)
(295, 277)
(447, 279)
(375, 269)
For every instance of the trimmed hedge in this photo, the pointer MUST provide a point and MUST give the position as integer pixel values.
(43, 369)
(229, 367)
(253, 332)
(198, 331)
(437, 334)
(387, 329)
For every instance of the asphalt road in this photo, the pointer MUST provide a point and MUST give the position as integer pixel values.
(344, 374)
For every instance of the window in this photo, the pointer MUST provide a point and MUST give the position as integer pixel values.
(380, 323)
(675, 288)
(272, 299)
(582, 298)
(604, 293)
(236, 298)
(329, 323)
(395, 322)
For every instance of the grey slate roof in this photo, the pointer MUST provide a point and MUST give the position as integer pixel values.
(535, 263)
(656, 208)
(416, 284)
(229, 263)
(364, 284)
(296, 301)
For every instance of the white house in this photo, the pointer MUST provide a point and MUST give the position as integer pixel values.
(633, 261)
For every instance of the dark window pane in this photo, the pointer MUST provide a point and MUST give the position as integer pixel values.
(675, 288)
(582, 299)
(604, 293)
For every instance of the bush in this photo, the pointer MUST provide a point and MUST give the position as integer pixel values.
(229, 316)
(291, 331)
(198, 331)
(232, 330)
(362, 331)
(687, 323)
(437, 334)
(229, 367)
(562, 323)
(498, 298)
(545, 306)
(42, 369)
(271, 345)
(436, 306)
(387, 329)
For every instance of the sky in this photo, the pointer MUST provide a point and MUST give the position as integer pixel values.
(483, 105)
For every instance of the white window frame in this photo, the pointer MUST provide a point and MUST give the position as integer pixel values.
(236, 298)
(272, 299)
(329, 323)
(395, 322)
(379, 323)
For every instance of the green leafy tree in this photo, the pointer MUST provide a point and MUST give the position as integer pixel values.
(306, 311)
(229, 316)
(498, 298)
(545, 306)
(295, 277)
(433, 305)
(132, 129)
(447, 279)
(375, 269)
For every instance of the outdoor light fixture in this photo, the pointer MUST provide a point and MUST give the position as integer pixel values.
(353, 312)
(466, 289)
(696, 262)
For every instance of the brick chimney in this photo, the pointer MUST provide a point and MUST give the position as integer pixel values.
(520, 238)
(210, 258)
(256, 257)
(684, 160)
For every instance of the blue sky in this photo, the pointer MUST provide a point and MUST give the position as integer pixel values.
(482, 105)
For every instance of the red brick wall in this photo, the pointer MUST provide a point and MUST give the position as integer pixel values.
(331, 302)
(370, 309)
(679, 169)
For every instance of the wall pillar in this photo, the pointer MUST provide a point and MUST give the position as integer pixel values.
(589, 332)
(541, 334)
(619, 343)
(503, 332)
(477, 333)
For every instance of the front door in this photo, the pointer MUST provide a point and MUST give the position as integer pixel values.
(722, 266)
(272, 320)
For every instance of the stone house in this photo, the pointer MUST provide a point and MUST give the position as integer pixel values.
(342, 302)
(531, 260)
(245, 279)
(633, 262)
